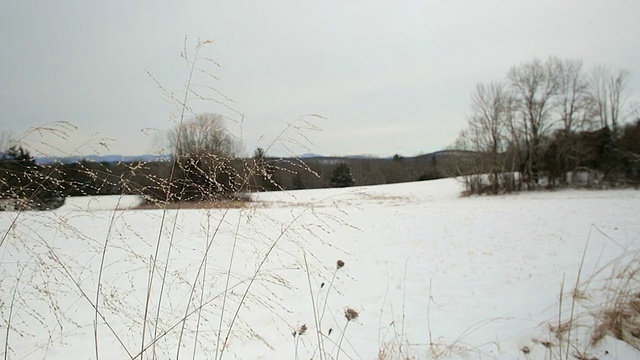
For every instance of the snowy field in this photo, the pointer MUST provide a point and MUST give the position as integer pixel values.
(430, 274)
(96, 203)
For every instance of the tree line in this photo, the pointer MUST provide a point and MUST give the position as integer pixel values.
(205, 166)
(546, 124)
(551, 123)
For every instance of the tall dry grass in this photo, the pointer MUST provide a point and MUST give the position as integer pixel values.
(601, 306)
(159, 283)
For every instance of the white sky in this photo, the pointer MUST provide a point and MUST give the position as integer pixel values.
(389, 77)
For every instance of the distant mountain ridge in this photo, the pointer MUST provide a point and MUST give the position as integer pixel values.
(311, 156)
(101, 158)
(44, 160)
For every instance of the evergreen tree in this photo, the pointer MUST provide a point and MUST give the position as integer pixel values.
(22, 180)
(265, 171)
(342, 176)
(298, 182)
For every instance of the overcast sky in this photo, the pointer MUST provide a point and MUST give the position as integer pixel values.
(388, 76)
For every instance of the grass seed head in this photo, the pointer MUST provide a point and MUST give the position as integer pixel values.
(350, 314)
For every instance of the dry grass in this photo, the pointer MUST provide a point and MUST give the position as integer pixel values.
(606, 304)
(202, 205)
(44, 283)
(168, 298)
(620, 318)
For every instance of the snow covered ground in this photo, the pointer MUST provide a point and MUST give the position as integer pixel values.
(96, 203)
(431, 275)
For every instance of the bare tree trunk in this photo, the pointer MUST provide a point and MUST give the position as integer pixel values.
(608, 94)
(534, 84)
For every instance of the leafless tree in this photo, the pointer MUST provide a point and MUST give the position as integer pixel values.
(534, 85)
(202, 149)
(608, 92)
(618, 86)
(511, 126)
(203, 135)
(488, 132)
(6, 141)
(571, 97)
(570, 105)
(489, 107)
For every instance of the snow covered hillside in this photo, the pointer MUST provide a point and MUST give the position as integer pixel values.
(430, 275)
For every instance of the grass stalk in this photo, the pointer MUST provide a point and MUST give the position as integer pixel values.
(339, 346)
(183, 110)
(313, 305)
(10, 316)
(101, 269)
(195, 281)
(204, 278)
(560, 314)
(226, 285)
(68, 274)
(574, 295)
(324, 308)
(257, 272)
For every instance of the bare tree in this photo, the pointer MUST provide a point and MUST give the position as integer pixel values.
(203, 135)
(510, 125)
(489, 105)
(488, 133)
(202, 149)
(571, 97)
(570, 105)
(6, 141)
(608, 94)
(618, 86)
(534, 85)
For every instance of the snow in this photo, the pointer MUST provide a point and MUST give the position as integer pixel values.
(95, 203)
(429, 272)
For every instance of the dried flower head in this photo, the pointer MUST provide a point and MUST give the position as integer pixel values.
(302, 330)
(340, 264)
(350, 314)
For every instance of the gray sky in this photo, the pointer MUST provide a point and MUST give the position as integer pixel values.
(389, 77)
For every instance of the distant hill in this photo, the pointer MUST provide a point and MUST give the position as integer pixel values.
(316, 156)
(101, 159)
(44, 160)
(309, 155)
